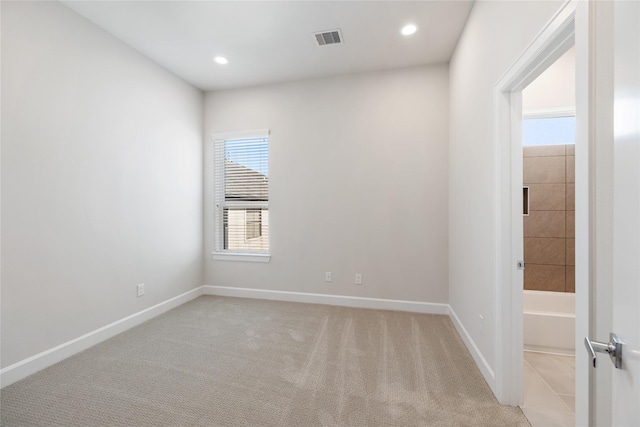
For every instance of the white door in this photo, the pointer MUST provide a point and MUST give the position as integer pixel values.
(615, 397)
(626, 212)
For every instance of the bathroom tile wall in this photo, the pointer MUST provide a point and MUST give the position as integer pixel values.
(549, 243)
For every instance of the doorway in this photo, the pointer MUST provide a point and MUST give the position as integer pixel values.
(606, 205)
(548, 208)
(551, 43)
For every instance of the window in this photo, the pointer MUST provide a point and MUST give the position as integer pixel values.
(253, 224)
(559, 130)
(241, 165)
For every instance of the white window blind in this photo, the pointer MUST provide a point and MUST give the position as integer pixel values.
(242, 193)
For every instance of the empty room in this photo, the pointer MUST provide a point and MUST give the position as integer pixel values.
(311, 213)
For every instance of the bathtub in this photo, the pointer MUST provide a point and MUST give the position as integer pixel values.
(549, 322)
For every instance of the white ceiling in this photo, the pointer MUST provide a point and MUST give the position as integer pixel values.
(271, 41)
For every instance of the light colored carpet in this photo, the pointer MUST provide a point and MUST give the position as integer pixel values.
(239, 362)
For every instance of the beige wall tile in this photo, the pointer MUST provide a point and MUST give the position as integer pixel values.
(570, 149)
(570, 279)
(547, 197)
(571, 224)
(543, 151)
(544, 224)
(544, 278)
(550, 257)
(570, 197)
(571, 163)
(570, 257)
(548, 250)
(544, 170)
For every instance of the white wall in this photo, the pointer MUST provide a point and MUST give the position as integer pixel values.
(358, 183)
(101, 179)
(555, 88)
(495, 35)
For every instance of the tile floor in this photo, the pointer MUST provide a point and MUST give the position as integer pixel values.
(549, 389)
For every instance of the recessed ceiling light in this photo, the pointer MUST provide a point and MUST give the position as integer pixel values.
(221, 60)
(409, 29)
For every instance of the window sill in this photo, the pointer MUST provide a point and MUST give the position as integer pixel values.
(241, 257)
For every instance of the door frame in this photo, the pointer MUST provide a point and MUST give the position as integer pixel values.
(566, 28)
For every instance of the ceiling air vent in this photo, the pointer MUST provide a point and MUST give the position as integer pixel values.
(328, 37)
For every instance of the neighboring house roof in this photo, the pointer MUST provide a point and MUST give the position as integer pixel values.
(243, 183)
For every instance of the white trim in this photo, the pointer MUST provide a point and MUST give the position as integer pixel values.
(339, 300)
(549, 113)
(551, 43)
(548, 350)
(241, 257)
(594, 183)
(33, 364)
(245, 134)
(547, 47)
(483, 365)
(552, 313)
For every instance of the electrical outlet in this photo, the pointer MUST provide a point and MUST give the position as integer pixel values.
(358, 279)
(481, 324)
(327, 276)
(140, 289)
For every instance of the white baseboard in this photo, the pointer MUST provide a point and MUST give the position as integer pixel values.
(485, 369)
(549, 350)
(339, 300)
(33, 364)
(359, 302)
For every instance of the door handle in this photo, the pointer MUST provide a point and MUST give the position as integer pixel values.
(613, 347)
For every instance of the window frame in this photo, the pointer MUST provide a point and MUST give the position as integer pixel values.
(548, 113)
(220, 204)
